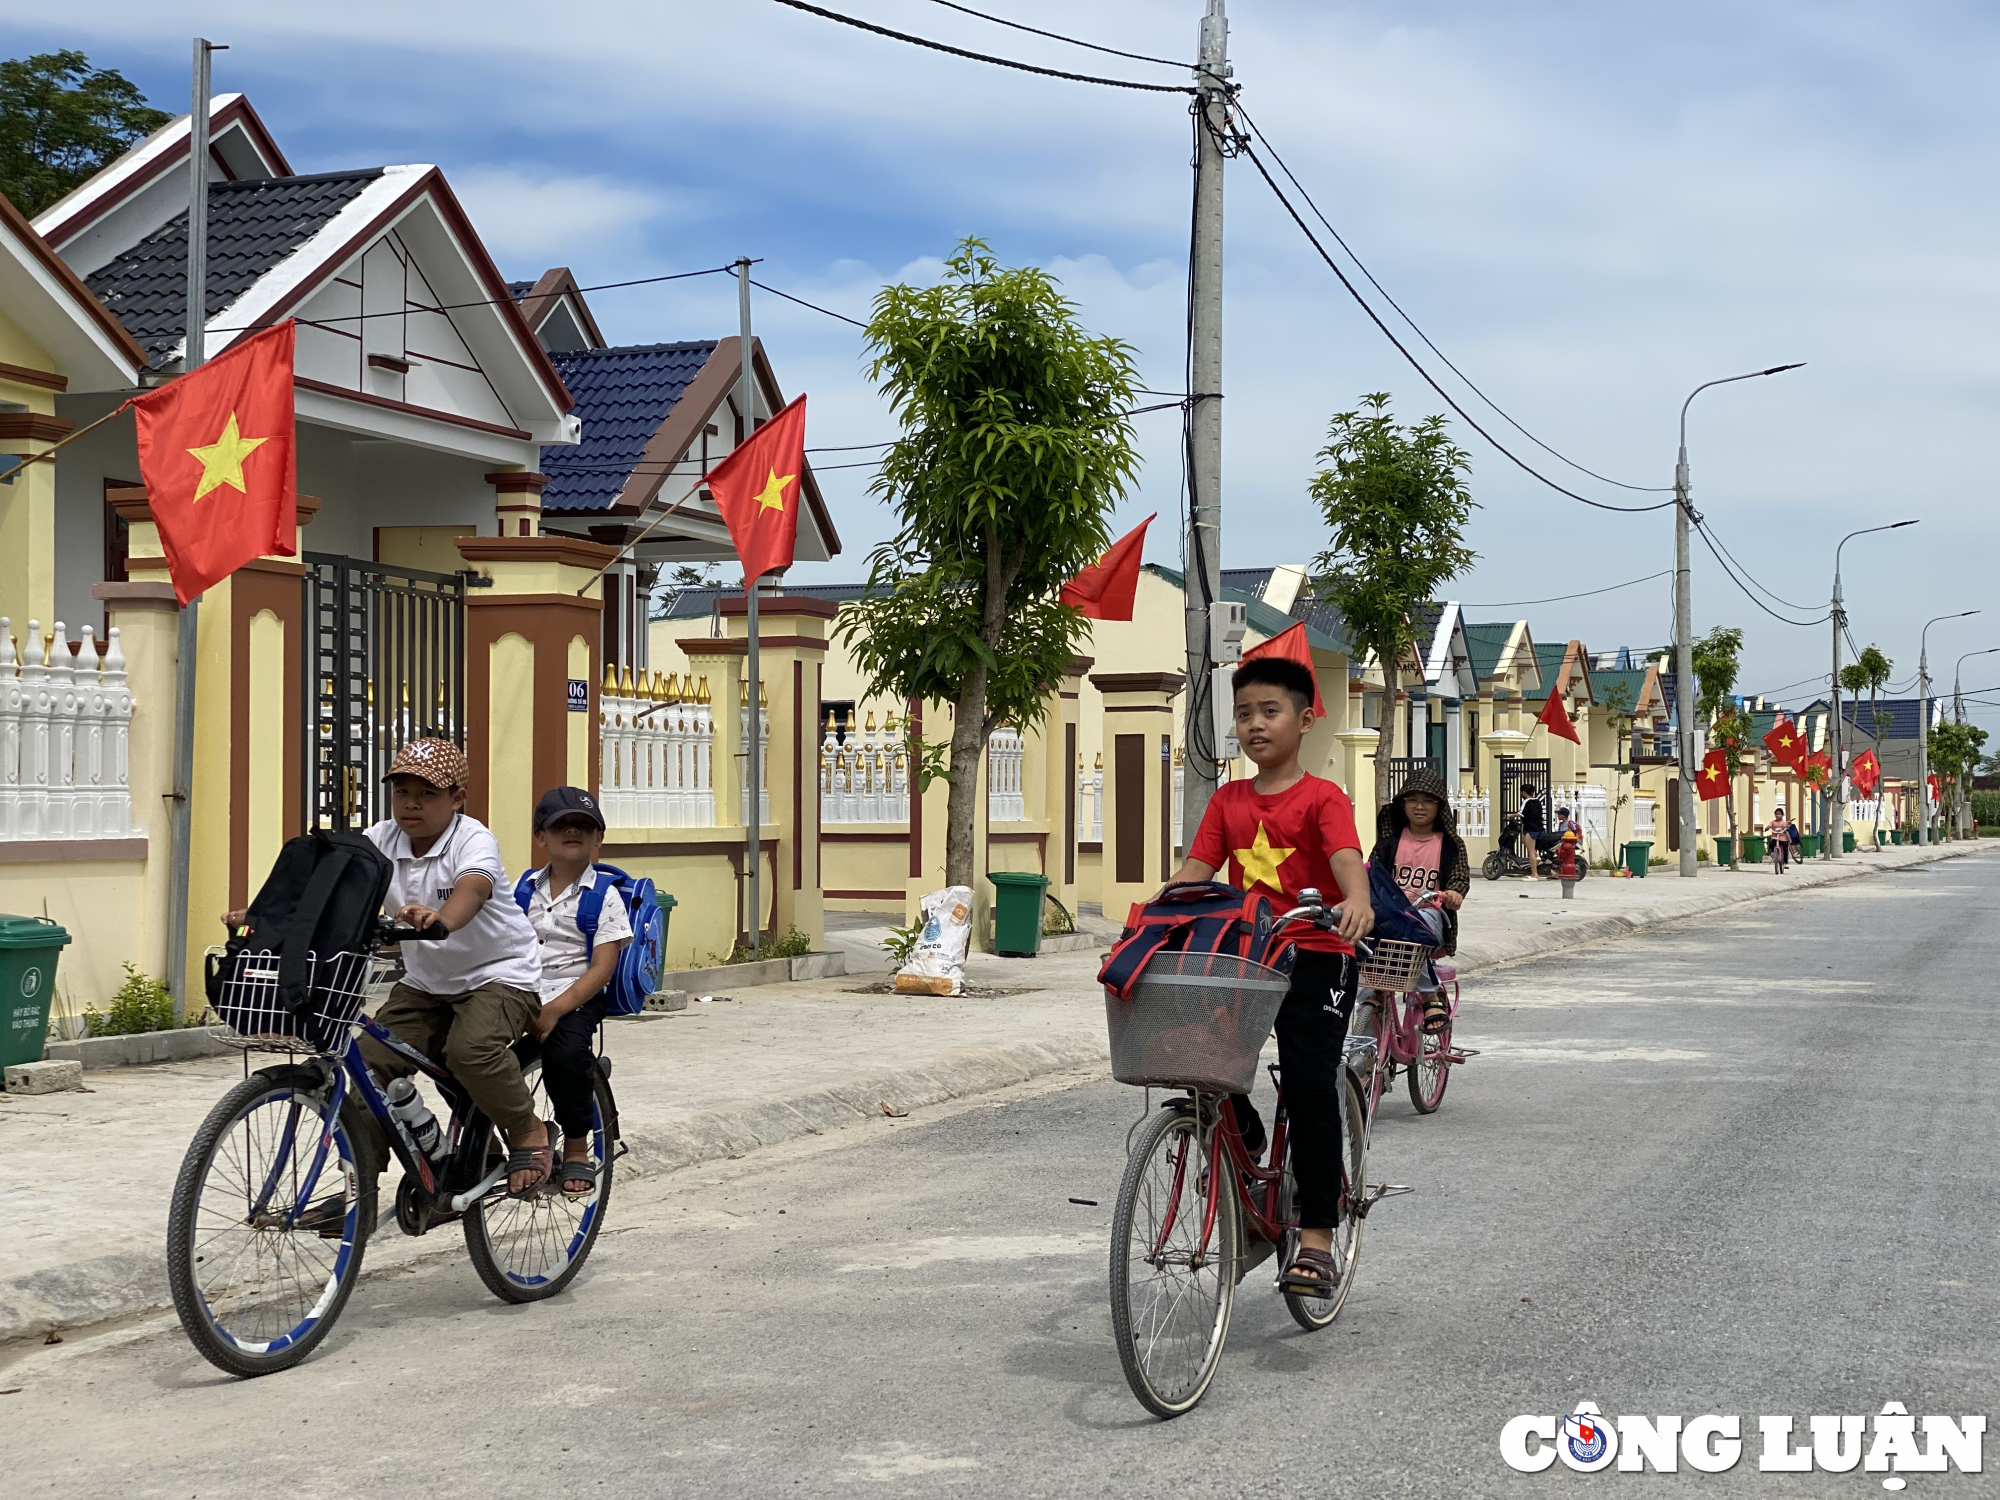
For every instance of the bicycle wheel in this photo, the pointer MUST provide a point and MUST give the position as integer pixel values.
(529, 1248)
(1314, 1313)
(253, 1294)
(1494, 865)
(1430, 1073)
(1171, 1293)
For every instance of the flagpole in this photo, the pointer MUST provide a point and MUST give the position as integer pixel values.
(187, 641)
(753, 720)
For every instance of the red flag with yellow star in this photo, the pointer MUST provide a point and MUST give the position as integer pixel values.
(1713, 781)
(217, 454)
(1786, 744)
(757, 489)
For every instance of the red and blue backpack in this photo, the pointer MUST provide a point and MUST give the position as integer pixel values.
(1195, 917)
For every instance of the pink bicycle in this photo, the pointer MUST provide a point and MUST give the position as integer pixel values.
(1395, 1040)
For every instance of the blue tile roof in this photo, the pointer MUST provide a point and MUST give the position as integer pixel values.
(1902, 714)
(622, 397)
(252, 226)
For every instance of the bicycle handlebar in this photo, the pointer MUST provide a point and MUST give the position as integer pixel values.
(390, 932)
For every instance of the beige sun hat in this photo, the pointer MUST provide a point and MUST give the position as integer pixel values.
(439, 762)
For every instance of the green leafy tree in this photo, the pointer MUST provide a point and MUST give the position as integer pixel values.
(1954, 752)
(1396, 503)
(1875, 672)
(60, 121)
(1718, 658)
(1616, 707)
(1015, 449)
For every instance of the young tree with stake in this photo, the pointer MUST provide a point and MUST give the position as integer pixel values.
(1015, 449)
(1396, 503)
(1717, 660)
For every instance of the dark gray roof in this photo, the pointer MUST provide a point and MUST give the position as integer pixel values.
(622, 397)
(251, 227)
(519, 289)
(1263, 619)
(1249, 581)
(697, 603)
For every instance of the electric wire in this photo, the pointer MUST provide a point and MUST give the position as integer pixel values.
(1563, 598)
(802, 301)
(1702, 532)
(1360, 265)
(1056, 36)
(1415, 364)
(1770, 594)
(987, 57)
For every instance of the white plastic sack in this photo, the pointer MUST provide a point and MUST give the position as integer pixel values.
(937, 964)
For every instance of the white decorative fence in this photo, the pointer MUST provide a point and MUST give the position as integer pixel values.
(1642, 818)
(1868, 811)
(865, 780)
(65, 738)
(1589, 804)
(763, 754)
(1090, 803)
(658, 746)
(1006, 751)
(1472, 815)
(1180, 789)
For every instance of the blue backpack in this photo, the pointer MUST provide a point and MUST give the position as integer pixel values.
(638, 971)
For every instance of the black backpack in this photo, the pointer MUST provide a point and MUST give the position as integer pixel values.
(323, 896)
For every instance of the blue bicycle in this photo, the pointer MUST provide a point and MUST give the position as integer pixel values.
(276, 1197)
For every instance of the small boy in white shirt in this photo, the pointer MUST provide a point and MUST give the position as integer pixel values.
(576, 966)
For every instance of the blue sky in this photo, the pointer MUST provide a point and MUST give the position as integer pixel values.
(1590, 209)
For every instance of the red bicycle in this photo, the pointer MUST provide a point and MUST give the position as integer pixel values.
(1196, 1211)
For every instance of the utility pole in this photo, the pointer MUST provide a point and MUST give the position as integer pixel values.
(1837, 816)
(1203, 584)
(1684, 621)
(180, 825)
(1924, 723)
(753, 738)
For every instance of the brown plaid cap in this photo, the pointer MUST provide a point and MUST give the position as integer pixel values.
(439, 762)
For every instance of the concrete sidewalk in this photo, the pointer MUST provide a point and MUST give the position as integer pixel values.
(85, 1177)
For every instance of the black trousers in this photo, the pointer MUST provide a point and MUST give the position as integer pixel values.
(1312, 1031)
(569, 1065)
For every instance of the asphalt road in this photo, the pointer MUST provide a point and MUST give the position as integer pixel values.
(1745, 1167)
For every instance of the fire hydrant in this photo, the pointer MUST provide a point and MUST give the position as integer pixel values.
(1566, 863)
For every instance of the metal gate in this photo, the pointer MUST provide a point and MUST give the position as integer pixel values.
(1400, 767)
(384, 663)
(1515, 773)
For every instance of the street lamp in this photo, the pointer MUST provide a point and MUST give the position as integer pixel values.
(1958, 715)
(1837, 822)
(1924, 723)
(1684, 620)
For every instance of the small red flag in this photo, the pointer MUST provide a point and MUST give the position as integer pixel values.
(1714, 779)
(218, 456)
(1107, 588)
(1867, 773)
(1293, 646)
(757, 489)
(1555, 718)
(1786, 744)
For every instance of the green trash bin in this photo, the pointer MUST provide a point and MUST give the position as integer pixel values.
(1638, 855)
(1753, 848)
(1017, 911)
(1809, 846)
(1895, 835)
(1846, 841)
(1722, 846)
(29, 948)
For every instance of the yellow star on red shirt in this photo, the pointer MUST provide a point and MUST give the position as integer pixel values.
(1260, 861)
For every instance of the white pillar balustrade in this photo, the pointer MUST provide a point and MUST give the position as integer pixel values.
(65, 737)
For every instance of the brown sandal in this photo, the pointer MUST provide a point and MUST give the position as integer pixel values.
(1437, 1014)
(537, 1159)
(1312, 1273)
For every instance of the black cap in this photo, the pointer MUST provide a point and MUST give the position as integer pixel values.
(563, 801)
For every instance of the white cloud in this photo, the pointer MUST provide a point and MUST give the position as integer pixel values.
(528, 217)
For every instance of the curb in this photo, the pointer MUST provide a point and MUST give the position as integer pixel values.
(146, 1047)
(764, 971)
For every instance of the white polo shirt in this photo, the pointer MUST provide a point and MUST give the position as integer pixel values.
(562, 941)
(496, 947)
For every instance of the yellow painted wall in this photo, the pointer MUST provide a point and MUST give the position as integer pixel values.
(212, 809)
(101, 904)
(510, 760)
(28, 505)
(266, 812)
(865, 867)
(702, 928)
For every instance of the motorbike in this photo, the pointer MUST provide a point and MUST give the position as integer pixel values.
(1511, 858)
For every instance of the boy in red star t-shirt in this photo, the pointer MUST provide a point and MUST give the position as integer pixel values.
(1287, 831)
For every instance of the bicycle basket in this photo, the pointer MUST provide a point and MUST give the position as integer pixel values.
(1195, 1021)
(248, 1001)
(1393, 966)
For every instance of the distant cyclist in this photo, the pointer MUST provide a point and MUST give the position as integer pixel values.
(1418, 845)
